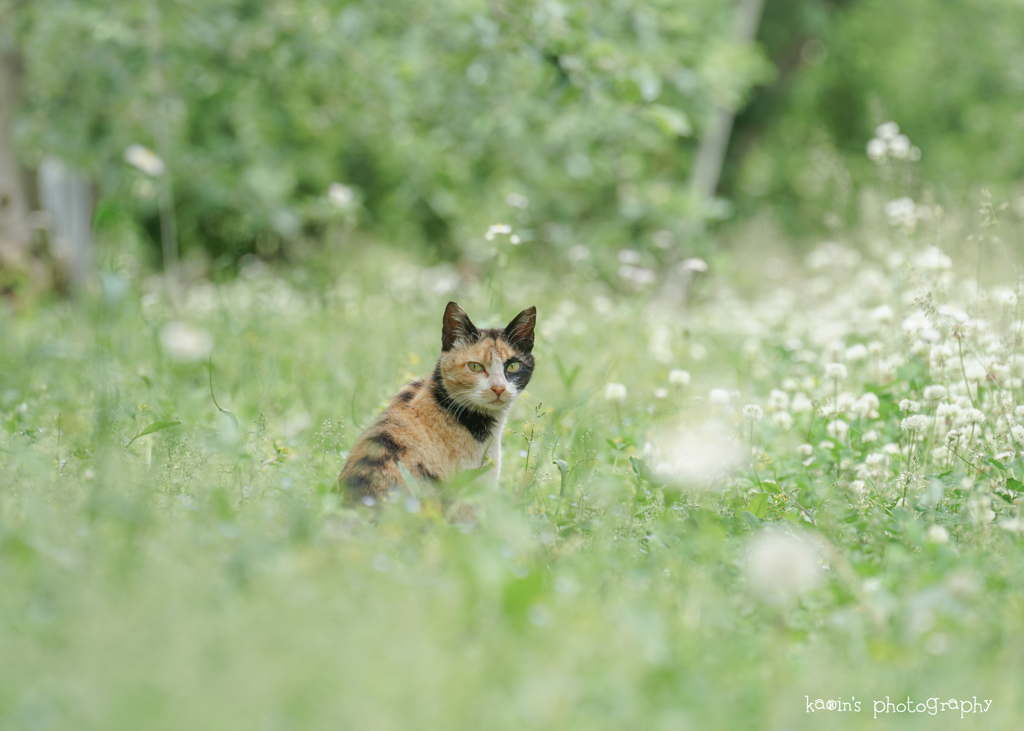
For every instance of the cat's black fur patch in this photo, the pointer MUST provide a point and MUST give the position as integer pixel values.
(392, 449)
(406, 396)
(358, 483)
(425, 473)
(479, 425)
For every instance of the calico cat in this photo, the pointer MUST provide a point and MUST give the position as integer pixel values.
(451, 421)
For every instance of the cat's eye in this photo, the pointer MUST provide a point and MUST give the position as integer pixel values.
(476, 367)
(513, 367)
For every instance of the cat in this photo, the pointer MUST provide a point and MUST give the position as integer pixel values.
(438, 426)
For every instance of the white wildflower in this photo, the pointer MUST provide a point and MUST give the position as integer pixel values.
(186, 343)
(910, 406)
(678, 377)
(876, 149)
(517, 200)
(933, 258)
(693, 454)
(693, 265)
(887, 131)
(856, 353)
(615, 392)
(826, 444)
(934, 393)
(629, 256)
(340, 195)
(835, 371)
(753, 412)
(1008, 298)
(937, 534)
(781, 566)
(974, 416)
(869, 436)
(778, 400)
(801, 404)
(1017, 432)
(661, 393)
(837, 429)
(496, 229)
(882, 313)
(719, 397)
(145, 160)
(805, 450)
(914, 423)
(782, 419)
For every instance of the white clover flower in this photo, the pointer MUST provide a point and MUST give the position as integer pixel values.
(780, 566)
(805, 450)
(858, 486)
(1008, 298)
(901, 212)
(937, 534)
(514, 240)
(719, 397)
(835, 371)
(1017, 432)
(837, 429)
(186, 343)
(629, 256)
(495, 229)
(782, 419)
(910, 406)
(661, 393)
(934, 393)
(899, 146)
(891, 448)
(876, 149)
(692, 454)
(940, 356)
(949, 412)
(145, 160)
(877, 460)
(678, 377)
(954, 435)
(517, 200)
(801, 404)
(753, 412)
(778, 400)
(826, 444)
(882, 313)
(876, 348)
(974, 416)
(869, 436)
(615, 392)
(340, 195)
(914, 423)
(857, 353)
(933, 258)
(866, 406)
(887, 131)
(694, 264)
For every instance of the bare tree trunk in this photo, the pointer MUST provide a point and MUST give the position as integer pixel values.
(15, 233)
(708, 166)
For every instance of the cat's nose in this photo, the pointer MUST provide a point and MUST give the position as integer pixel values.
(498, 390)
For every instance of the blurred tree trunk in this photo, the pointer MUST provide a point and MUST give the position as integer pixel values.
(15, 232)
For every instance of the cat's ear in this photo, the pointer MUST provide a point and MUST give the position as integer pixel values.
(457, 326)
(519, 332)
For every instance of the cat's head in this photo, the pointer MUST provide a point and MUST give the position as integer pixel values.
(484, 370)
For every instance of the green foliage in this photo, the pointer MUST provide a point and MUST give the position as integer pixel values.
(837, 540)
(946, 73)
(441, 117)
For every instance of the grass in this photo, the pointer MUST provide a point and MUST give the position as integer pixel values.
(205, 575)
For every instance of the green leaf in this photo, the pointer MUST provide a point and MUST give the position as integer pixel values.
(82, 453)
(996, 463)
(154, 427)
(1015, 485)
(750, 519)
(758, 505)
(673, 122)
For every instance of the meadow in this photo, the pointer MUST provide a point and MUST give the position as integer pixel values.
(773, 503)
